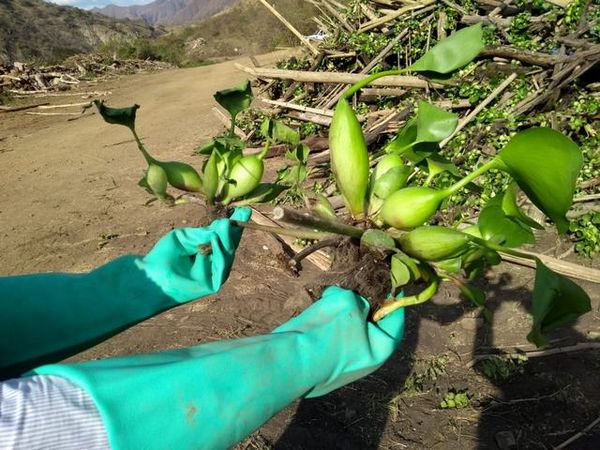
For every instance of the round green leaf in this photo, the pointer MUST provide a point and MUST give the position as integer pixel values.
(117, 116)
(493, 222)
(236, 99)
(434, 124)
(512, 209)
(556, 301)
(545, 164)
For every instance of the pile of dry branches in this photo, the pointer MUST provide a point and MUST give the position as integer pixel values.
(20, 78)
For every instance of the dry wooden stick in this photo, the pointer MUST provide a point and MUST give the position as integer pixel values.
(382, 54)
(53, 114)
(537, 58)
(394, 15)
(495, 93)
(337, 15)
(299, 35)
(337, 77)
(294, 106)
(70, 105)
(21, 108)
(586, 198)
(320, 259)
(578, 435)
(563, 267)
(539, 353)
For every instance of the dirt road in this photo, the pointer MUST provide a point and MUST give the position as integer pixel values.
(69, 201)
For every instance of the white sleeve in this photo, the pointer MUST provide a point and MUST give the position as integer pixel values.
(43, 412)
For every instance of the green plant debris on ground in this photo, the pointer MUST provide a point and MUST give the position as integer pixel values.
(455, 400)
(502, 367)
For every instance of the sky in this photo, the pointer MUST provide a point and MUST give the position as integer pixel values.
(87, 4)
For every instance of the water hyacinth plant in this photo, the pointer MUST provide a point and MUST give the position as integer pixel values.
(543, 163)
(388, 210)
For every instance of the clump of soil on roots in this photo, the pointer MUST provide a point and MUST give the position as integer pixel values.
(362, 271)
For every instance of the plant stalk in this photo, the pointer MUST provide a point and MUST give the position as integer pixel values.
(295, 233)
(368, 80)
(232, 128)
(149, 159)
(502, 249)
(417, 299)
(311, 221)
(493, 164)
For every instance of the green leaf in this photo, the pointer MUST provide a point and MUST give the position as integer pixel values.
(405, 138)
(229, 143)
(420, 152)
(236, 99)
(377, 239)
(437, 164)
(118, 116)
(545, 163)
(493, 222)
(277, 131)
(399, 272)
(452, 265)
(510, 208)
(411, 263)
(476, 295)
(456, 51)
(206, 149)
(301, 153)
(431, 124)
(556, 301)
(434, 124)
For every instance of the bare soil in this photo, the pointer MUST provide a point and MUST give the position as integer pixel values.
(69, 201)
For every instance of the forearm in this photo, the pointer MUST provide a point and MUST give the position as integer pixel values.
(48, 317)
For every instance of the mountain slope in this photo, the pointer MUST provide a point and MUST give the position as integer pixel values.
(167, 12)
(248, 28)
(34, 30)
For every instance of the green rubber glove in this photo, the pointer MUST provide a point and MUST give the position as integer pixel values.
(213, 395)
(47, 317)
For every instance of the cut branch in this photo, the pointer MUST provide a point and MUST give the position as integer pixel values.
(564, 268)
(336, 77)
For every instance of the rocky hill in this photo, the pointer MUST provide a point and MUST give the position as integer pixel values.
(167, 12)
(33, 30)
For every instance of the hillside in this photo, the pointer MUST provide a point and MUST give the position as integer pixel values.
(167, 12)
(248, 28)
(32, 30)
